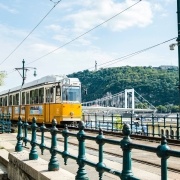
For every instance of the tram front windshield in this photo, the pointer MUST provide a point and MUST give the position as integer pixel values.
(71, 93)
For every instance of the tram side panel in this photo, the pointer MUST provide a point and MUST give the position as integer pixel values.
(37, 111)
(71, 113)
(55, 112)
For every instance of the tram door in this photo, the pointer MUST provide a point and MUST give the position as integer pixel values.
(48, 102)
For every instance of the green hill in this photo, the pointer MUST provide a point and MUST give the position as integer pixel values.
(155, 84)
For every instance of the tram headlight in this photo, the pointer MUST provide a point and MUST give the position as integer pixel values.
(71, 114)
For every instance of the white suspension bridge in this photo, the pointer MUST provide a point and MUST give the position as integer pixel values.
(127, 101)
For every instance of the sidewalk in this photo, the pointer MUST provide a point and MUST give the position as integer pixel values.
(142, 171)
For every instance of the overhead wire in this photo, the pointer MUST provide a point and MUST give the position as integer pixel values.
(129, 55)
(133, 54)
(55, 4)
(85, 33)
(81, 34)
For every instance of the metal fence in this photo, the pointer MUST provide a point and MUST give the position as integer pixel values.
(155, 126)
(126, 144)
(5, 123)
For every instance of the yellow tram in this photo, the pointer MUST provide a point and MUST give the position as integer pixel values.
(50, 97)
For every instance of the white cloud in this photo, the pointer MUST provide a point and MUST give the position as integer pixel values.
(99, 11)
(7, 8)
(54, 27)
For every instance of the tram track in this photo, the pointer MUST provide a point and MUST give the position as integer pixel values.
(140, 137)
(144, 139)
(146, 162)
(134, 159)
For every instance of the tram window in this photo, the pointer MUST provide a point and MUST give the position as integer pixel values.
(58, 90)
(0, 101)
(5, 101)
(48, 95)
(10, 100)
(71, 94)
(23, 98)
(32, 96)
(14, 100)
(36, 95)
(27, 97)
(41, 95)
(17, 99)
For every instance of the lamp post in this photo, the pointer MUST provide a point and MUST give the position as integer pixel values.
(23, 75)
(178, 40)
(24, 71)
(172, 48)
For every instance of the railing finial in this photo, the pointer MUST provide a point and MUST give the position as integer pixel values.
(81, 125)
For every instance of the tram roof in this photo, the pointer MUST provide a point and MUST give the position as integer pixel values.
(43, 80)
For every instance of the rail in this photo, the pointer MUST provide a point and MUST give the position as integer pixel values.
(126, 144)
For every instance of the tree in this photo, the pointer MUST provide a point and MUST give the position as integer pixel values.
(118, 122)
(156, 85)
(2, 76)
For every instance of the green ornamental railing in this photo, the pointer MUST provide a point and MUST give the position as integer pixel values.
(5, 123)
(126, 144)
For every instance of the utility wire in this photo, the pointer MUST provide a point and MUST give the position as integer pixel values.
(55, 4)
(84, 33)
(127, 56)
(132, 54)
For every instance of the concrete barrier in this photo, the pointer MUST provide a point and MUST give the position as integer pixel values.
(21, 168)
(3, 164)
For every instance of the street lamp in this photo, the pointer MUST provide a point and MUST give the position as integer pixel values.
(172, 48)
(23, 75)
(24, 71)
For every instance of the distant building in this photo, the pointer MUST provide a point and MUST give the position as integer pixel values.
(168, 67)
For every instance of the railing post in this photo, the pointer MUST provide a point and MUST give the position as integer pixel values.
(9, 123)
(42, 128)
(177, 126)
(65, 152)
(19, 147)
(141, 120)
(159, 130)
(131, 121)
(161, 152)
(170, 132)
(112, 121)
(33, 153)
(103, 117)
(124, 143)
(147, 129)
(3, 123)
(153, 125)
(164, 119)
(81, 173)
(100, 165)
(25, 139)
(83, 117)
(53, 163)
(96, 121)
(0, 122)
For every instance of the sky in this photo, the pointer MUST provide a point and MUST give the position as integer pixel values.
(67, 36)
